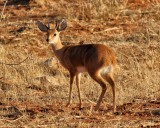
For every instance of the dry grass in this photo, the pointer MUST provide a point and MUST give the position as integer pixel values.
(33, 93)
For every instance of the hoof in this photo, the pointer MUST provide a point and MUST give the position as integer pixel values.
(68, 104)
(80, 107)
(96, 109)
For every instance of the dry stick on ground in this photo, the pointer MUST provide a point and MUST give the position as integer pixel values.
(3, 9)
(108, 29)
(12, 65)
(16, 63)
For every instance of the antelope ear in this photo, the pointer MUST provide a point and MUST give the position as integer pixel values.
(42, 27)
(60, 26)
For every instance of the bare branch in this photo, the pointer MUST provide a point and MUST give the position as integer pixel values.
(3, 9)
(15, 63)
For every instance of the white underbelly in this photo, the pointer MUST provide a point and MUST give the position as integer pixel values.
(81, 69)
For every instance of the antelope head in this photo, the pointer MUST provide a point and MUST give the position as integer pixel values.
(53, 34)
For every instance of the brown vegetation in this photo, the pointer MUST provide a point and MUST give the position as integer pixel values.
(34, 87)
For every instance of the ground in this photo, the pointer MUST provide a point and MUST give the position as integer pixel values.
(34, 86)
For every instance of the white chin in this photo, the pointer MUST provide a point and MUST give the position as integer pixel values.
(51, 42)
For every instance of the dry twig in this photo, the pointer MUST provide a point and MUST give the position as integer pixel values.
(3, 9)
(15, 63)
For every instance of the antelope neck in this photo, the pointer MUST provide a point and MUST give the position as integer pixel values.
(57, 48)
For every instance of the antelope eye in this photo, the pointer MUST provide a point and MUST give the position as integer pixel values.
(55, 34)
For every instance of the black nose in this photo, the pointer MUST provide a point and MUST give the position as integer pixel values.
(47, 40)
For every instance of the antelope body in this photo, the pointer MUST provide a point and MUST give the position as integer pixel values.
(96, 59)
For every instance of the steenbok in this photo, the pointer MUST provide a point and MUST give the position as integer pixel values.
(96, 59)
